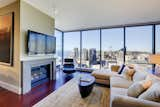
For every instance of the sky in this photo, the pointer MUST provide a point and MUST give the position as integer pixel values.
(137, 39)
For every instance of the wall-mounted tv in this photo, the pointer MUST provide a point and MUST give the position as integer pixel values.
(39, 43)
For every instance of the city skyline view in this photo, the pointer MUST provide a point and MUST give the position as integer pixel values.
(115, 57)
(112, 46)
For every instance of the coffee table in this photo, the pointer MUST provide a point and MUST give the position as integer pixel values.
(86, 84)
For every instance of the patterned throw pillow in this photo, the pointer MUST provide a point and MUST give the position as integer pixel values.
(128, 73)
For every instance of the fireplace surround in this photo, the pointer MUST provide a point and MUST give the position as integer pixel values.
(36, 72)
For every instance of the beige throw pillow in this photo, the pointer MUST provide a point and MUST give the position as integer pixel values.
(128, 73)
(152, 94)
(139, 75)
(138, 87)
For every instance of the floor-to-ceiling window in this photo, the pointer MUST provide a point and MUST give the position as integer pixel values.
(105, 47)
(157, 40)
(112, 47)
(138, 45)
(58, 35)
(58, 54)
(72, 46)
(91, 49)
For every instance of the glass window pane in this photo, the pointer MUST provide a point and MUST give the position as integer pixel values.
(138, 45)
(72, 46)
(158, 39)
(91, 49)
(58, 36)
(112, 47)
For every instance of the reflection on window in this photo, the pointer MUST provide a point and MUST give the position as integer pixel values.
(138, 45)
(91, 49)
(112, 47)
(72, 46)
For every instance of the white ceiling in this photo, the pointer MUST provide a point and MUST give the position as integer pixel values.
(6, 2)
(81, 14)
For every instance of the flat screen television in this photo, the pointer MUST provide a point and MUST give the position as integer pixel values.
(39, 43)
(51, 46)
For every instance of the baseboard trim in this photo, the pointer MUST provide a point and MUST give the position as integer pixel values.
(10, 87)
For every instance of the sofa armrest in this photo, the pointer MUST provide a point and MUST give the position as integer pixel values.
(125, 101)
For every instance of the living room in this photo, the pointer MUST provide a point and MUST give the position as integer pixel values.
(75, 53)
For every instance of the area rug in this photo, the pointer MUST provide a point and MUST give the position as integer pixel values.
(68, 96)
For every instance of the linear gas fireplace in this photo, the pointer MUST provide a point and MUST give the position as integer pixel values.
(36, 72)
(40, 74)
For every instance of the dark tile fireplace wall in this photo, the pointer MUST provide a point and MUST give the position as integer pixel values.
(40, 74)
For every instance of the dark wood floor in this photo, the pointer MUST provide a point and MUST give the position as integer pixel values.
(9, 99)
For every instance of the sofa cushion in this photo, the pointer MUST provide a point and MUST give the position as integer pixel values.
(118, 91)
(103, 81)
(103, 74)
(152, 94)
(128, 73)
(138, 87)
(119, 81)
(139, 75)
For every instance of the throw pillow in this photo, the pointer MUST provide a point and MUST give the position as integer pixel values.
(138, 87)
(128, 73)
(121, 69)
(115, 68)
(131, 66)
(139, 75)
(152, 94)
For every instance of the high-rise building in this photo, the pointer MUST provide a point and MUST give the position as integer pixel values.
(92, 56)
(85, 54)
(76, 53)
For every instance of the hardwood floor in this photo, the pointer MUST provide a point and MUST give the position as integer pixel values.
(9, 99)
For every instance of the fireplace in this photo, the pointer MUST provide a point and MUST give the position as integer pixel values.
(40, 74)
(36, 72)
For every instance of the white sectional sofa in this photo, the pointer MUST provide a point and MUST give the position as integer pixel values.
(119, 86)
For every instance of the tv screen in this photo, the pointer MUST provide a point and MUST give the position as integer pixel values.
(32, 39)
(39, 43)
(51, 45)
